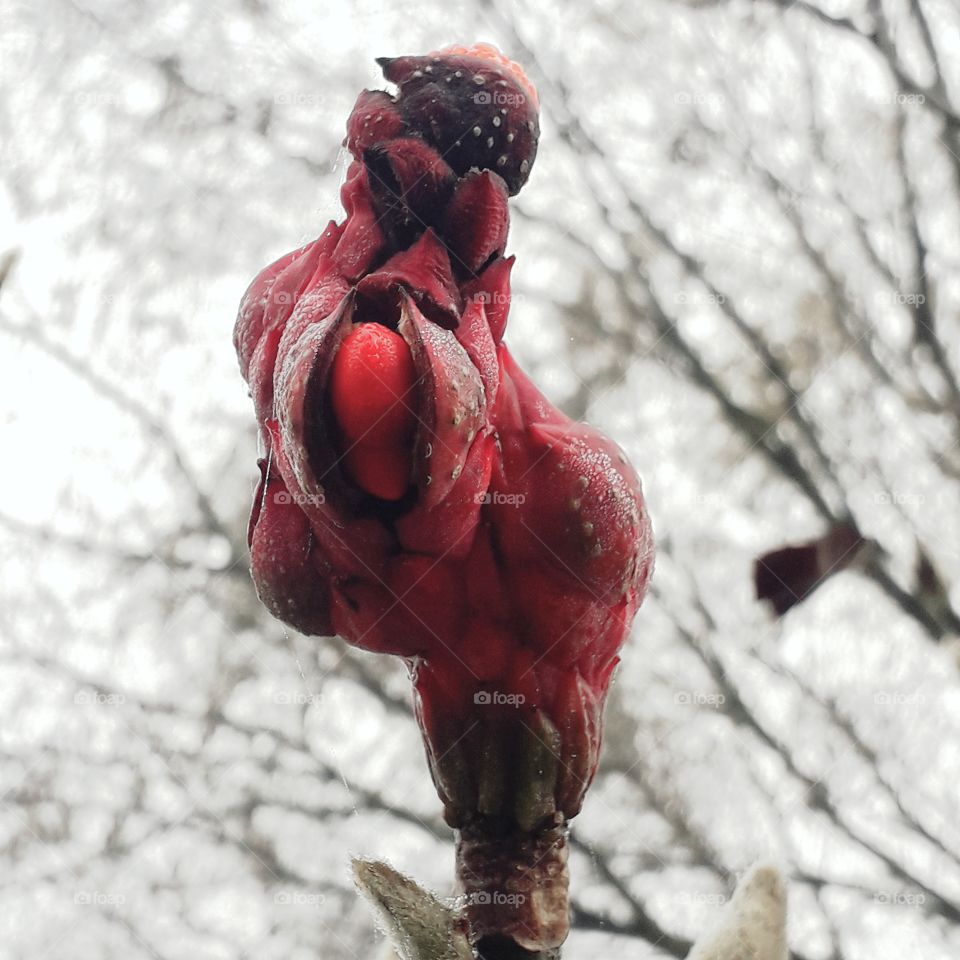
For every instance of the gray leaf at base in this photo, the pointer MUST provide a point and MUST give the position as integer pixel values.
(419, 926)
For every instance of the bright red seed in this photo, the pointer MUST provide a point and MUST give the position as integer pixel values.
(371, 391)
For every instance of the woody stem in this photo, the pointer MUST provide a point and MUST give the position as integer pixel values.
(515, 882)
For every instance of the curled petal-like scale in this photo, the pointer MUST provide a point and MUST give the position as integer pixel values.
(423, 270)
(374, 118)
(473, 332)
(354, 546)
(579, 712)
(249, 326)
(492, 287)
(289, 573)
(307, 455)
(453, 409)
(320, 299)
(410, 182)
(301, 406)
(271, 297)
(476, 221)
(362, 238)
(447, 529)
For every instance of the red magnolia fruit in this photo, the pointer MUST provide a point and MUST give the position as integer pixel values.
(420, 497)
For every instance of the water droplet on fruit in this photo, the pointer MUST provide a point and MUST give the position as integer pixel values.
(489, 141)
(477, 131)
(496, 121)
(478, 79)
